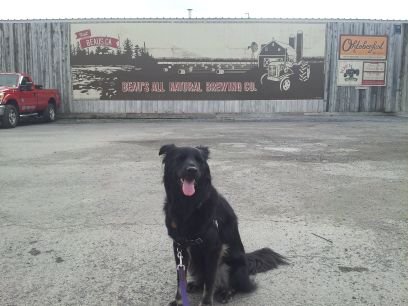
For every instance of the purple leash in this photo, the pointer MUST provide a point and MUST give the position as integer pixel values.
(181, 270)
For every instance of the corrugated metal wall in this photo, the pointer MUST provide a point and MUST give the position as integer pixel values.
(42, 50)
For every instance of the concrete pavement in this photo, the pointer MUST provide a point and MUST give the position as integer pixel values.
(81, 219)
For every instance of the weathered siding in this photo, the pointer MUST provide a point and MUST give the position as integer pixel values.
(404, 72)
(371, 99)
(42, 50)
(198, 106)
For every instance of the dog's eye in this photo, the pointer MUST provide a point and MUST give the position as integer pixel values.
(199, 159)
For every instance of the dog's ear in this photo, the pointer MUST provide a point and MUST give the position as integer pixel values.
(166, 149)
(205, 152)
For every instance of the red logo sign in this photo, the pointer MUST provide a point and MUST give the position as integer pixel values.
(99, 42)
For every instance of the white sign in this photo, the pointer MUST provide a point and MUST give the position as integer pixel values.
(361, 73)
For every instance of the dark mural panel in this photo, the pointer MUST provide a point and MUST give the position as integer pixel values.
(197, 61)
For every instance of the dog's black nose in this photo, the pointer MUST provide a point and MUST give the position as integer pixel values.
(192, 170)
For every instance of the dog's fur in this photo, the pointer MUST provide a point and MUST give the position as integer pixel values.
(194, 209)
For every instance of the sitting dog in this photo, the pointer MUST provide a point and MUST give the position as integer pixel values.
(204, 229)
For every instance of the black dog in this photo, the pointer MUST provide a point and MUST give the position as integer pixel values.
(204, 228)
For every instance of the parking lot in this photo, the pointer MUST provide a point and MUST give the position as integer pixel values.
(81, 219)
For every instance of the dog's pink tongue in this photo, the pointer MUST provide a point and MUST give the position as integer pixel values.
(188, 188)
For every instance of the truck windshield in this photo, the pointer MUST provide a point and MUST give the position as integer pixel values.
(9, 80)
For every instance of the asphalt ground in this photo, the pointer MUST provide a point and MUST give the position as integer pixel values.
(81, 219)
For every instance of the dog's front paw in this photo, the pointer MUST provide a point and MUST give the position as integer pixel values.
(205, 302)
(224, 296)
(175, 303)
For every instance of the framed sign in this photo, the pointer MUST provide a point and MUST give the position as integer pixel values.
(363, 47)
(362, 60)
(361, 73)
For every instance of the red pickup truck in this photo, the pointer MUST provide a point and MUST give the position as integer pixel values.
(20, 97)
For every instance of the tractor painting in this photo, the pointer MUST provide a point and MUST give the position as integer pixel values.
(350, 74)
(282, 63)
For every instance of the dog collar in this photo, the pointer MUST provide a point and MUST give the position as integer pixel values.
(187, 243)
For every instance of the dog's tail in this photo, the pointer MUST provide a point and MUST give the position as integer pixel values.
(263, 260)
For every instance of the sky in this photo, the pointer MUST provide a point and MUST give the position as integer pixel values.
(354, 9)
(215, 40)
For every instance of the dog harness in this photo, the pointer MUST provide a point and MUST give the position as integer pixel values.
(184, 243)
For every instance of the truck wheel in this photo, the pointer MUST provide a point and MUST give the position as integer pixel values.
(285, 84)
(49, 113)
(264, 78)
(304, 72)
(10, 117)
